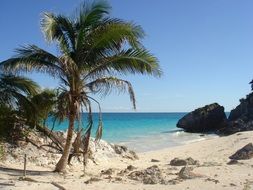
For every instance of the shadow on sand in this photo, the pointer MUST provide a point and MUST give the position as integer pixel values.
(19, 172)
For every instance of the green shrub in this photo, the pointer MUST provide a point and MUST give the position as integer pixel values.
(10, 130)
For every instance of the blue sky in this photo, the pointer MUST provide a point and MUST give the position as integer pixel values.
(205, 48)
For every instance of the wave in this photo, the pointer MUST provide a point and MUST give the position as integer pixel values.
(173, 131)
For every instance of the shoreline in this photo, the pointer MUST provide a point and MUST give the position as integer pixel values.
(172, 139)
(211, 154)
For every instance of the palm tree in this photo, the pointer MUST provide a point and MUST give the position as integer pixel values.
(42, 107)
(251, 84)
(94, 48)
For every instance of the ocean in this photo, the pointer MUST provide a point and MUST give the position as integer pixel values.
(140, 131)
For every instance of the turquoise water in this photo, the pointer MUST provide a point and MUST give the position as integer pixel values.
(124, 126)
(140, 131)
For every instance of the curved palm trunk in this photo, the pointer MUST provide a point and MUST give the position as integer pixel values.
(62, 163)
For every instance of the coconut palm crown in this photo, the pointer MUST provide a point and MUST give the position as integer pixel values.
(93, 49)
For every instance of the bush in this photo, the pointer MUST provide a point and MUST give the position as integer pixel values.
(10, 129)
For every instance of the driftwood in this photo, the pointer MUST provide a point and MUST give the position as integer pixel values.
(55, 138)
(57, 185)
(33, 143)
(79, 146)
(35, 181)
(51, 146)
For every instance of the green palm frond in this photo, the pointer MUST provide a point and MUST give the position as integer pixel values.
(32, 58)
(59, 28)
(44, 103)
(15, 91)
(107, 39)
(61, 110)
(90, 15)
(130, 61)
(19, 84)
(114, 32)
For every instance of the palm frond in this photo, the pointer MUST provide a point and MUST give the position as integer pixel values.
(114, 32)
(105, 86)
(61, 110)
(132, 61)
(107, 39)
(59, 28)
(15, 93)
(99, 131)
(32, 58)
(90, 15)
(19, 84)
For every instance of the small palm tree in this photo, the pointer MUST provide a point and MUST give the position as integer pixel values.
(94, 48)
(40, 107)
(251, 84)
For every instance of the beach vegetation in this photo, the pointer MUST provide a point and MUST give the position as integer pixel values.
(15, 91)
(40, 107)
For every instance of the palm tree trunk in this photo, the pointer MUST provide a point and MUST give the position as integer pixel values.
(62, 163)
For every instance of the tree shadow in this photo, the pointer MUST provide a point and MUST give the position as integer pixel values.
(19, 172)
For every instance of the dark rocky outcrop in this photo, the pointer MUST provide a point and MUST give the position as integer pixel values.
(244, 110)
(244, 153)
(240, 118)
(238, 125)
(212, 118)
(209, 118)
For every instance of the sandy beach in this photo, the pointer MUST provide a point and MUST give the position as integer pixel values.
(211, 172)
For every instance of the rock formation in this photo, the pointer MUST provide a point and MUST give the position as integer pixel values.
(151, 175)
(209, 118)
(244, 153)
(183, 162)
(240, 118)
(186, 173)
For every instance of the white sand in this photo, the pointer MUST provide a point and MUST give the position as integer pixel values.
(217, 176)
